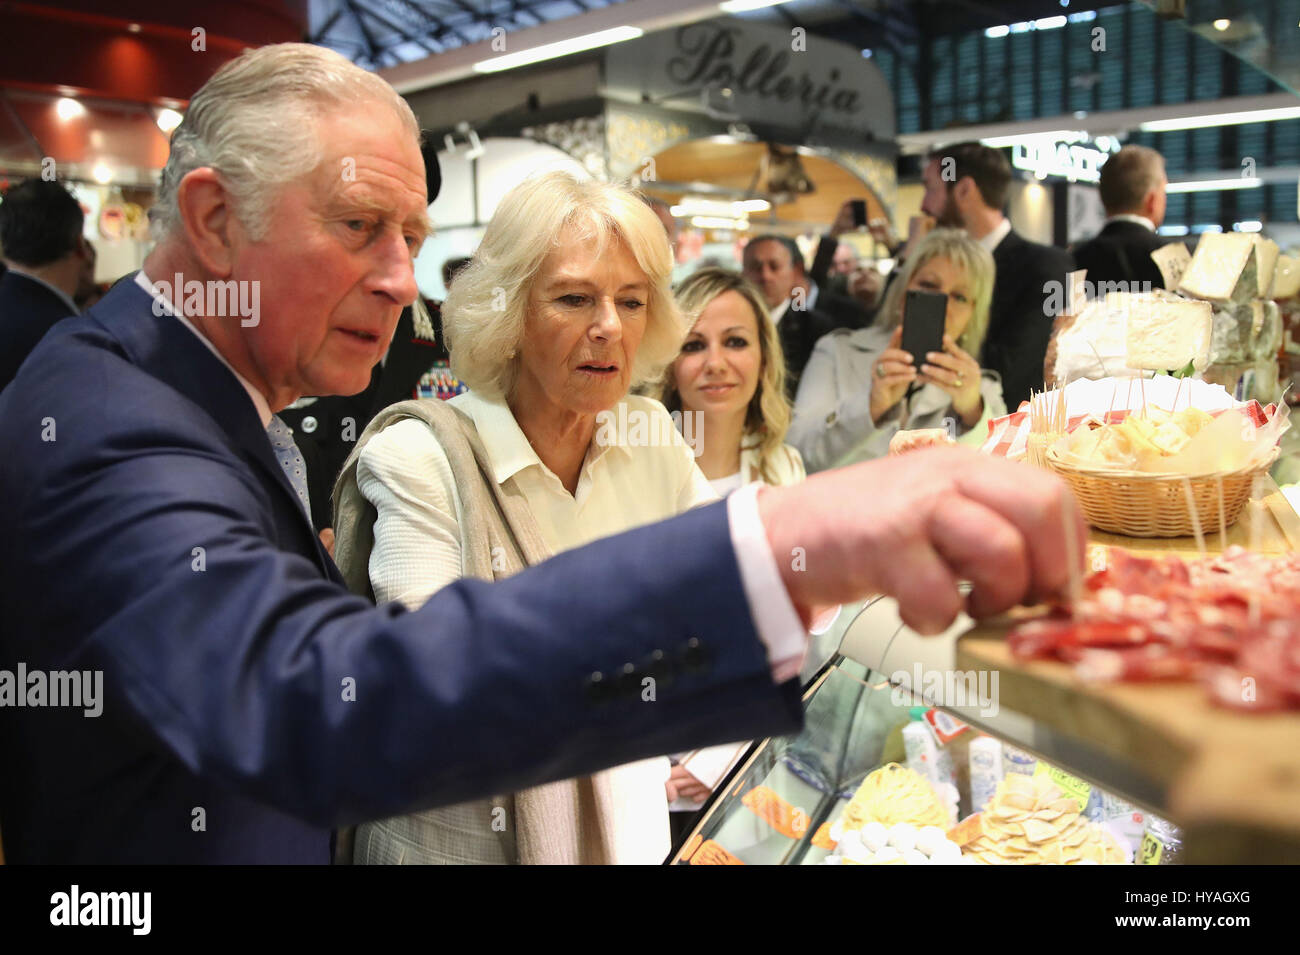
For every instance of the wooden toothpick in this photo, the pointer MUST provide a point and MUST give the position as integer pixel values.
(1196, 518)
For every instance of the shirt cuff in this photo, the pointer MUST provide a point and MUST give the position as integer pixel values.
(775, 619)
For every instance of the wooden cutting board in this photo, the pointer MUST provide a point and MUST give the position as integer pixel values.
(1232, 780)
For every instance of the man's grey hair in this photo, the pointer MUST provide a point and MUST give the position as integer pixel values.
(1128, 177)
(254, 123)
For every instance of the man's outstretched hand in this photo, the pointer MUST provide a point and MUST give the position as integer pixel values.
(913, 526)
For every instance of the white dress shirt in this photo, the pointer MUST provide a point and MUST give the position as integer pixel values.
(999, 233)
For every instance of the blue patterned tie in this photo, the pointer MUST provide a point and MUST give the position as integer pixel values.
(290, 459)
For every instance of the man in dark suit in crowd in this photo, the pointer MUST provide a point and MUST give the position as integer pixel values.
(50, 265)
(966, 186)
(774, 264)
(1132, 189)
(249, 703)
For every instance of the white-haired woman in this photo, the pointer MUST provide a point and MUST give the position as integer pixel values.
(565, 306)
(860, 388)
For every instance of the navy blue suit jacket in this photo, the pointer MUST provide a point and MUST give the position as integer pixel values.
(150, 534)
(27, 311)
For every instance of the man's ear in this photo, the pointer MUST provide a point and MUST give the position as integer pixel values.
(207, 217)
(1149, 204)
(962, 189)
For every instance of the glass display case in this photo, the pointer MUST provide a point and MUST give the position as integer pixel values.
(868, 714)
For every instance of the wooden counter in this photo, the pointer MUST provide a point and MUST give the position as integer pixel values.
(1232, 779)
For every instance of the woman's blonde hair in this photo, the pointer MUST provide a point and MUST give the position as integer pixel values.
(486, 308)
(768, 417)
(976, 263)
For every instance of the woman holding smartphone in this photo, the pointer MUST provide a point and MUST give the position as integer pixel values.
(860, 388)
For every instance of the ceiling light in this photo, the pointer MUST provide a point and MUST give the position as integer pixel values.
(1222, 119)
(168, 119)
(1055, 135)
(740, 6)
(1222, 25)
(1173, 230)
(1249, 225)
(133, 28)
(1214, 185)
(101, 173)
(550, 51)
(1207, 227)
(69, 108)
(720, 222)
(1049, 23)
(994, 32)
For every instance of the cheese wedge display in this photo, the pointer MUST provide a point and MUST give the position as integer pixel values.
(1164, 332)
(1286, 278)
(1230, 266)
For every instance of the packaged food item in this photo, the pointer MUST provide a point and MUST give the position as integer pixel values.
(1018, 761)
(1126, 821)
(1162, 844)
(985, 770)
(922, 751)
(944, 726)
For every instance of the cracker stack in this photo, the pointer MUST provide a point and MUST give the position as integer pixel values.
(1030, 821)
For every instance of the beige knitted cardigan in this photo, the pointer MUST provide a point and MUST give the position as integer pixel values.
(565, 822)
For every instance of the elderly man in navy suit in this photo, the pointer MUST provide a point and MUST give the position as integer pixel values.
(158, 536)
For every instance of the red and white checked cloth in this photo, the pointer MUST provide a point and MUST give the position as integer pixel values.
(1009, 435)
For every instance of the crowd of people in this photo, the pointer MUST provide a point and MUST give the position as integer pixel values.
(634, 630)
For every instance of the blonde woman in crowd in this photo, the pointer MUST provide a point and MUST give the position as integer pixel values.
(730, 378)
(728, 386)
(860, 388)
(565, 306)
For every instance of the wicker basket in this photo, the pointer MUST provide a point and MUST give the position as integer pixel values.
(1138, 504)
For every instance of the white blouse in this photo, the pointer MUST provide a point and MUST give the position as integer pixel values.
(638, 470)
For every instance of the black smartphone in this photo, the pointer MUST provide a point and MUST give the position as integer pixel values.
(924, 315)
(859, 213)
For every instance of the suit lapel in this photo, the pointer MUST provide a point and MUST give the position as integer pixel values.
(170, 352)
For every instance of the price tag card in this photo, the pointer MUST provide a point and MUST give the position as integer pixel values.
(710, 853)
(1150, 851)
(790, 821)
(1172, 261)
